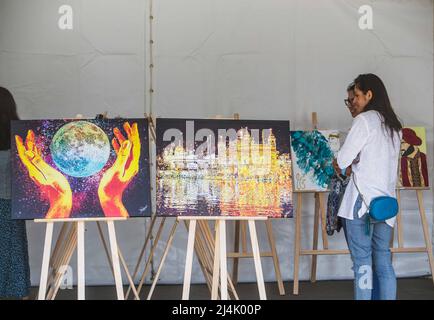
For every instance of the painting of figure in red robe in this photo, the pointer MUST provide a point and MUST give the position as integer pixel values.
(413, 165)
(80, 168)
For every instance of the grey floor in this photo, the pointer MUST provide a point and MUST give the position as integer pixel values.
(408, 289)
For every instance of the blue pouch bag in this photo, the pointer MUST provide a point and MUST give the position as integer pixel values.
(380, 209)
(383, 208)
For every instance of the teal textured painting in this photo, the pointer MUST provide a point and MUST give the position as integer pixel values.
(312, 154)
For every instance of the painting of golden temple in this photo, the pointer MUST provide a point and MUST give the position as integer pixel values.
(223, 168)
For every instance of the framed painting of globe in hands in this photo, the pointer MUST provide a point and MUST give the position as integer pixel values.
(80, 168)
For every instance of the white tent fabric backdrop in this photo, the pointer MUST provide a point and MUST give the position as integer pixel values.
(264, 59)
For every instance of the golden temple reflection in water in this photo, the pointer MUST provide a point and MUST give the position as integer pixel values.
(245, 178)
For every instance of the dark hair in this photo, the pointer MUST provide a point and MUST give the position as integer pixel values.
(8, 112)
(380, 100)
(351, 87)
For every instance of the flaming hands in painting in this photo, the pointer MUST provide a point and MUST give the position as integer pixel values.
(52, 184)
(115, 180)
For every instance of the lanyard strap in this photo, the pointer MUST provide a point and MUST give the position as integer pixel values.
(368, 218)
(363, 198)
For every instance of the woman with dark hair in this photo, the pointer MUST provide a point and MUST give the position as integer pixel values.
(14, 261)
(372, 150)
(350, 99)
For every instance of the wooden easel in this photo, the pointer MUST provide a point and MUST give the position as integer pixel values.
(319, 217)
(398, 230)
(428, 249)
(71, 236)
(219, 261)
(62, 255)
(203, 245)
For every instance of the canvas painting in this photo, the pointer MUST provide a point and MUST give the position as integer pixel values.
(413, 166)
(223, 168)
(312, 154)
(80, 168)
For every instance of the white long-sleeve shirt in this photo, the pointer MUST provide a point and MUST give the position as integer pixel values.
(376, 172)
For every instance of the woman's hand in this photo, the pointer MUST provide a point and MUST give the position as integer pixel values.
(51, 182)
(338, 170)
(336, 166)
(115, 180)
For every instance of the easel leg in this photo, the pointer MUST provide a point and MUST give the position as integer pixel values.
(142, 252)
(55, 256)
(163, 258)
(204, 256)
(80, 261)
(322, 210)
(68, 251)
(104, 244)
(392, 241)
(257, 260)
(236, 249)
(121, 259)
(240, 232)
(45, 261)
(151, 254)
(216, 267)
(426, 235)
(189, 260)
(315, 239)
(115, 259)
(297, 241)
(320, 216)
(223, 262)
(232, 289)
(272, 242)
(130, 279)
(397, 226)
(399, 222)
(204, 253)
(244, 236)
(210, 243)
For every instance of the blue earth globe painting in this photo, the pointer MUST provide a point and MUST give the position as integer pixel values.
(80, 149)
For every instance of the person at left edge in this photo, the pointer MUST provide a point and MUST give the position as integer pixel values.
(14, 259)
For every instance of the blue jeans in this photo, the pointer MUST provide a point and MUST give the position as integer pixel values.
(374, 277)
